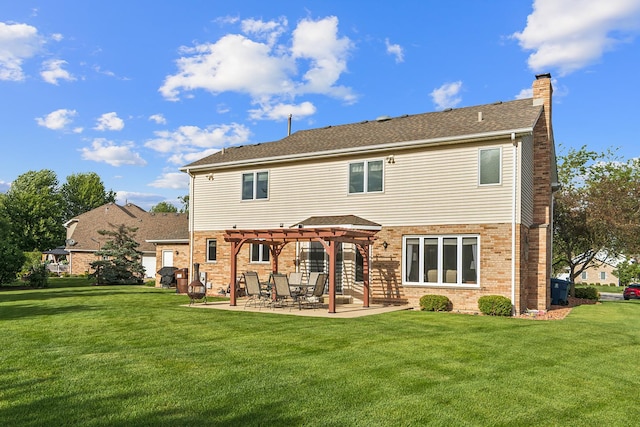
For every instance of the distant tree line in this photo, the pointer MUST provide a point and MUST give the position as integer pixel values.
(34, 209)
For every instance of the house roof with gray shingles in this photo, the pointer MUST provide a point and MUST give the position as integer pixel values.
(344, 221)
(150, 226)
(449, 125)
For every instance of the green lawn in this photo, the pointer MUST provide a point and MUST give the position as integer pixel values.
(120, 356)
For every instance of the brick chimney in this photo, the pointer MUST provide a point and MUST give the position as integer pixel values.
(542, 92)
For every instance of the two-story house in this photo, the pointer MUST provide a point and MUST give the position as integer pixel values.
(456, 202)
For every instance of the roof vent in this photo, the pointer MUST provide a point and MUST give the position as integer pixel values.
(446, 110)
(383, 118)
(479, 116)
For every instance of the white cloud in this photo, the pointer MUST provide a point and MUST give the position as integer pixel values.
(282, 111)
(109, 121)
(395, 50)
(4, 186)
(53, 71)
(17, 43)
(188, 142)
(57, 120)
(102, 150)
(318, 42)
(171, 180)
(144, 200)
(185, 158)
(571, 34)
(57, 37)
(269, 31)
(525, 93)
(446, 96)
(267, 72)
(158, 119)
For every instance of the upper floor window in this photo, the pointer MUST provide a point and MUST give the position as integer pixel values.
(255, 185)
(603, 275)
(490, 165)
(583, 276)
(259, 253)
(212, 249)
(365, 177)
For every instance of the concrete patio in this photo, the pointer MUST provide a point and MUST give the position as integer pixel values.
(343, 311)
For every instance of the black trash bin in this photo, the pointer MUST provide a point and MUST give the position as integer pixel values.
(560, 292)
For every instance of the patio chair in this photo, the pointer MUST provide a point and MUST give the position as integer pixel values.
(254, 291)
(283, 290)
(318, 281)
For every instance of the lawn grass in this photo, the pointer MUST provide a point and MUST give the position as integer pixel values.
(120, 356)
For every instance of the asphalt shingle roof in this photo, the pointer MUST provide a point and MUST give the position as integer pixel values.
(151, 226)
(452, 123)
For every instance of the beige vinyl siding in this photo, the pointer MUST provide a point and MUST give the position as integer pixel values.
(526, 185)
(434, 186)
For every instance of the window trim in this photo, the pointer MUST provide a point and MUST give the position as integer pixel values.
(207, 251)
(261, 253)
(254, 195)
(480, 151)
(365, 177)
(440, 283)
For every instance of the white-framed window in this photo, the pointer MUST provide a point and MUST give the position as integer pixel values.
(366, 177)
(441, 260)
(259, 253)
(603, 275)
(255, 185)
(583, 276)
(212, 250)
(490, 166)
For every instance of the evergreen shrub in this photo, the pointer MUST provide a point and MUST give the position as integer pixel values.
(495, 305)
(435, 303)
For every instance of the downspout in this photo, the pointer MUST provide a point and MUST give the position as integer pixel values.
(191, 242)
(513, 220)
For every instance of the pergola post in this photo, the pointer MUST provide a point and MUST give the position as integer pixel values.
(332, 275)
(234, 269)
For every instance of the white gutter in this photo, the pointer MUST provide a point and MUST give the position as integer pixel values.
(513, 221)
(369, 149)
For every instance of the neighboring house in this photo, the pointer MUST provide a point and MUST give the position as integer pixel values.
(600, 270)
(153, 230)
(456, 203)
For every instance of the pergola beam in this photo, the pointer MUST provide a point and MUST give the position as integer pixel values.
(277, 238)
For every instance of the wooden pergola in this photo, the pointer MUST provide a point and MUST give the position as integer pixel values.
(277, 238)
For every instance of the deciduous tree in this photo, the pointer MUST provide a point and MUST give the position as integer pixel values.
(596, 210)
(83, 192)
(34, 209)
(164, 207)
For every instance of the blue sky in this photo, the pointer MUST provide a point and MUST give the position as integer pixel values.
(133, 90)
